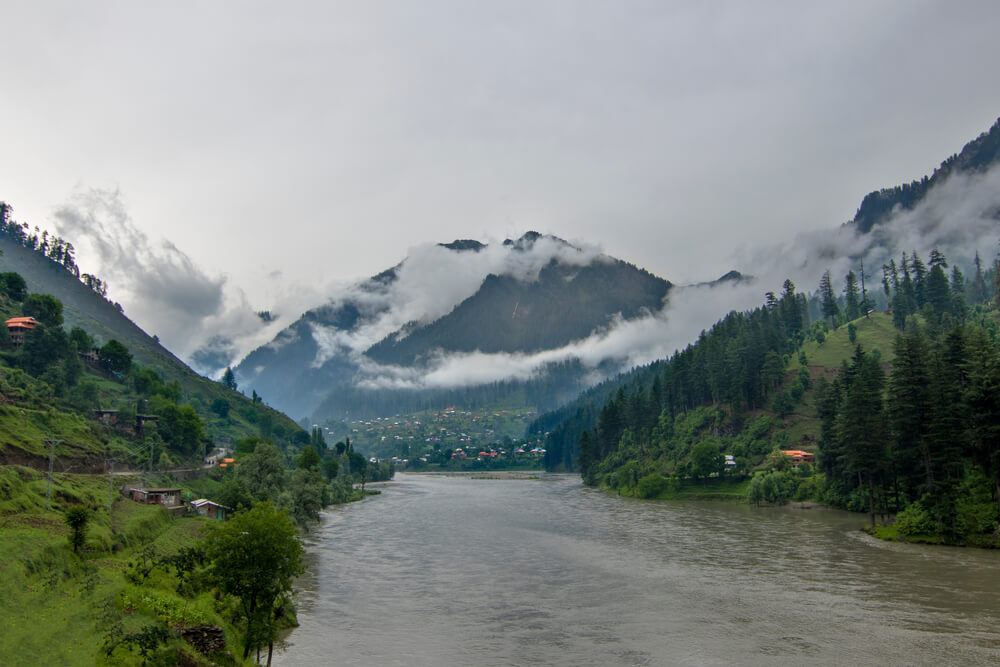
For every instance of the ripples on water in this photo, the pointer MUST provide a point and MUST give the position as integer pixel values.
(455, 571)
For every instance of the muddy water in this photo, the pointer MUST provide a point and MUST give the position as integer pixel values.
(456, 571)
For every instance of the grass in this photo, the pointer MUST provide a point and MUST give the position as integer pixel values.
(58, 606)
(875, 332)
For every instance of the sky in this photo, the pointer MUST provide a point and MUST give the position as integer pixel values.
(212, 159)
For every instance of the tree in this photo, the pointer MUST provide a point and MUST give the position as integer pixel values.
(81, 340)
(861, 424)
(937, 290)
(221, 407)
(263, 471)
(44, 346)
(978, 283)
(115, 357)
(255, 557)
(359, 467)
(830, 308)
(180, 426)
(852, 297)
(76, 518)
(706, 459)
(308, 459)
(45, 308)
(330, 469)
(229, 379)
(13, 285)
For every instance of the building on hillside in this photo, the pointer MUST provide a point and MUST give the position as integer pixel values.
(106, 417)
(798, 456)
(204, 507)
(17, 327)
(167, 497)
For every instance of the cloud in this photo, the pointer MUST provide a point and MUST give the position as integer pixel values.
(959, 217)
(207, 321)
(430, 282)
(200, 317)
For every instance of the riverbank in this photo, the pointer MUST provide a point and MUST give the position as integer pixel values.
(121, 598)
(891, 533)
(520, 572)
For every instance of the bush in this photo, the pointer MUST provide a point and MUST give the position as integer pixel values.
(651, 486)
(915, 520)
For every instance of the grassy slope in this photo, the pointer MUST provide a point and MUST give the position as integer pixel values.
(875, 332)
(83, 308)
(55, 604)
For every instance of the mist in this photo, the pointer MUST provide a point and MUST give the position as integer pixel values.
(958, 217)
(208, 322)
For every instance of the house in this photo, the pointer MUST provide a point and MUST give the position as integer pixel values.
(17, 327)
(227, 462)
(204, 507)
(798, 456)
(167, 497)
(106, 417)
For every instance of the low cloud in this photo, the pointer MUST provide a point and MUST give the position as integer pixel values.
(430, 283)
(200, 317)
(959, 217)
(205, 320)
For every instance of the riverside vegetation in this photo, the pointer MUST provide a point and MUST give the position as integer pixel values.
(94, 578)
(900, 407)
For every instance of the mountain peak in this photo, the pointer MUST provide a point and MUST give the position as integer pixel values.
(463, 245)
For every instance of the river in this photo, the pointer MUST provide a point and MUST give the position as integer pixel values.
(456, 571)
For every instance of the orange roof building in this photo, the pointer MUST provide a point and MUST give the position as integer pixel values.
(798, 456)
(17, 327)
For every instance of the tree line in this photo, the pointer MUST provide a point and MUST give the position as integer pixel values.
(919, 436)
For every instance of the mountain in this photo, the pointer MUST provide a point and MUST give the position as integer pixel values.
(83, 307)
(977, 156)
(955, 210)
(461, 322)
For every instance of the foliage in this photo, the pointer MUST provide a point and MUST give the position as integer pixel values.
(255, 557)
(45, 308)
(915, 520)
(115, 357)
(77, 518)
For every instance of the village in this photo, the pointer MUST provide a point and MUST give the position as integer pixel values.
(488, 436)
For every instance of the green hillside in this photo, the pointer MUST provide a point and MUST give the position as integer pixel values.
(898, 414)
(103, 321)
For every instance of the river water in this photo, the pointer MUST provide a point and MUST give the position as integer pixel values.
(457, 571)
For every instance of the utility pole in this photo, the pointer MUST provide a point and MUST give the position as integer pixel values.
(111, 475)
(52, 458)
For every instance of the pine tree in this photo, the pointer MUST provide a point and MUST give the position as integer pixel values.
(830, 308)
(860, 425)
(936, 287)
(852, 297)
(919, 280)
(978, 283)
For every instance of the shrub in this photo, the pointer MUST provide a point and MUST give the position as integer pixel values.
(915, 520)
(651, 486)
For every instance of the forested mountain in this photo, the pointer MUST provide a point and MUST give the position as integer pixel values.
(903, 422)
(371, 351)
(897, 280)
(154, 379)
(977, 156)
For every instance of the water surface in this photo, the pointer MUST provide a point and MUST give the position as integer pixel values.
(457, 571)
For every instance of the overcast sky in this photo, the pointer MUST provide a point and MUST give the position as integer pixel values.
(281, 147)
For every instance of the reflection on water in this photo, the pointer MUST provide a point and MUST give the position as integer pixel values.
(455, 571)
